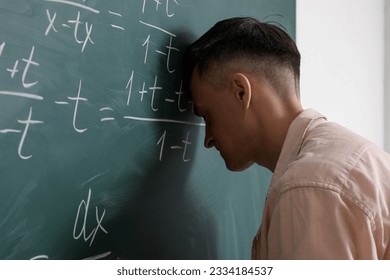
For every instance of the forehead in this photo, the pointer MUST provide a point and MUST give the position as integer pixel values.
(199, 87)
(206, 87)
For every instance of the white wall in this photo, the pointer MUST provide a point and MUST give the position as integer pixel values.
(342, 73)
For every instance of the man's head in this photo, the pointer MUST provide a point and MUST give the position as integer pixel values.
(245, 42)
(244, 74)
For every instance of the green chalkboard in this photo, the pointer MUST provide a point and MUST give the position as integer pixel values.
(101, 155)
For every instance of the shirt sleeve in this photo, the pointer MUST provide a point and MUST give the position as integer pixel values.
(319, 223)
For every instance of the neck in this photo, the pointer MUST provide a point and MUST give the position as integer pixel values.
(276, 127)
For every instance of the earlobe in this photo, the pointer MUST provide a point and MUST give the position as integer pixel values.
(242, 89)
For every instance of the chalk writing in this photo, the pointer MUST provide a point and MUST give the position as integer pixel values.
(88, 31)
(167, 8)
(84, 207)
(14, 69)
(169, 47)
(157, 28)
(163, 120)
(140, 88)
(161, 142)
(105, 109)
(51, 19)
(21, 94)
(27, 124)
(148, 91)
(177, 99)
(142, 91)
(74, 24)
(151, 91)
(2, 48)
(115, 25)
(168, 11)
(40, 257)
(27, 64)
(185, 142)
(129, 86)
(96, 257)
(77, 99)
(183, 147)
(99, 257)
(146, 45)
(75, 4)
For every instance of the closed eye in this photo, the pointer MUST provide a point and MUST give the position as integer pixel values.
(196, 111)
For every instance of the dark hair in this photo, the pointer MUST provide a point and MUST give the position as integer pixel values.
(243, 37)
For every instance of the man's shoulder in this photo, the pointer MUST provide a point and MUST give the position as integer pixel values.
(334, 158)
(327, 154)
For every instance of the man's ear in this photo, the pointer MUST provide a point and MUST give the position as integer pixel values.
(242, 89)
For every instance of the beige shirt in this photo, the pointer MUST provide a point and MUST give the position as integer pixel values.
(329, 196)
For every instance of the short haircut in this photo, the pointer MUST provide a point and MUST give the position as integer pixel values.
(263, 47)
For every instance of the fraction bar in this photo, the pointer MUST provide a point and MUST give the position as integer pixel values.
(9, 131)
(158, 28)
(21, 94)
(67, 2)
(162, 120)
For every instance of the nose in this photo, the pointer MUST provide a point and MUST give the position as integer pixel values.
(209, 143)
(208, 139)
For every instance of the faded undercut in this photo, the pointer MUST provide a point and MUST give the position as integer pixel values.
(262, 48)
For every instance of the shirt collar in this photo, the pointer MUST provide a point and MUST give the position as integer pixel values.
(306, 120)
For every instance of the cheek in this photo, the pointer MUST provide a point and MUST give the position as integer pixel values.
(235, 147)
(223, 130)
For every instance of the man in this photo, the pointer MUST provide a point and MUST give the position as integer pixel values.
(329, 196)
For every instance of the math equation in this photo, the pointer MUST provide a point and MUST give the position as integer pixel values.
(81, 24)
(80, 68)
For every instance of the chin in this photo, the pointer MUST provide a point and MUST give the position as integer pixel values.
(237, 167)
